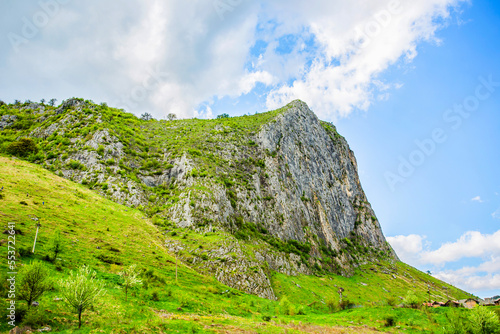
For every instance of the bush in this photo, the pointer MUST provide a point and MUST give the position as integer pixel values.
(35, 317)
(345, 303)
(392, 301)
(22, 148)
(389, 321)
(332, 304)
(73, 164)
(155, 296)
(411, 300)
(285, 306)
(456, 323)
(483, 321)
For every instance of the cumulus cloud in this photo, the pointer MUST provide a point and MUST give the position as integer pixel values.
(469, 245)
(180, 56)
(470, 283)
(484, 247)
(407, 247)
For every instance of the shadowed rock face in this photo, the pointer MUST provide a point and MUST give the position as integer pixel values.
(293, 176)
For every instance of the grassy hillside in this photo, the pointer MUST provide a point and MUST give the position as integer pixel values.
(108, 236)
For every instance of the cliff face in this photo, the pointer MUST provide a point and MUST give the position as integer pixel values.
(280, 189)
(306, 187)
(315, 181)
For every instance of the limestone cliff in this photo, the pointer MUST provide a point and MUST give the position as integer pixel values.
(281, 189)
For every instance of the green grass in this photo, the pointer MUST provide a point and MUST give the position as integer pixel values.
(87, 221)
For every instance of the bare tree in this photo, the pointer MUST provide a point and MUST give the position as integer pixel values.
(57, 245)
(52, 102)
(146, 116)
(81, 290)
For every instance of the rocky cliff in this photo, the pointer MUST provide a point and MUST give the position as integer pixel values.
(280, 190)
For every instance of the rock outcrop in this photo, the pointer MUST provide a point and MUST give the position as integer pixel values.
(284, 191)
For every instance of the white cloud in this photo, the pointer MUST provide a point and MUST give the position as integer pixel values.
(477, 199)
(408, 247)
(469, 245)
(104, 51)
(470, 283)
(484, 276)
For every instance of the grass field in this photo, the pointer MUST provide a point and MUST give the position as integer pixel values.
(108, 236)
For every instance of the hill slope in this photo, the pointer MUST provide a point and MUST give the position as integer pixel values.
(109, 236)
(283, 181)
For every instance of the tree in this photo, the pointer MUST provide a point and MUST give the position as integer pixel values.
(171, 117)
(146, 116)
(42, 101)
(33, 282)
(81, 290)
(130, 279)
(52, 102)
(22, 148)
(222, 116)
(56, 245)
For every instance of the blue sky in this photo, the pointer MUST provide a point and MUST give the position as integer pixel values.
(389, 74)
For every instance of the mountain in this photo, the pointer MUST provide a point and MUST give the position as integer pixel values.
(268, 204)
(283, 179)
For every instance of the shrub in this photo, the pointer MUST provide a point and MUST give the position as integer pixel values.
(456, 323)
(73, 164)
(22, 148)
(35, 317)
(24, 124)
(155, 296)
(332, 304)
(345, 304)
(483, 321)
(286, 307)
(411, 300)
(389, 321)
(392, 301)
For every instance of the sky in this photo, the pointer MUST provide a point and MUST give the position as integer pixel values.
(414, 86)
